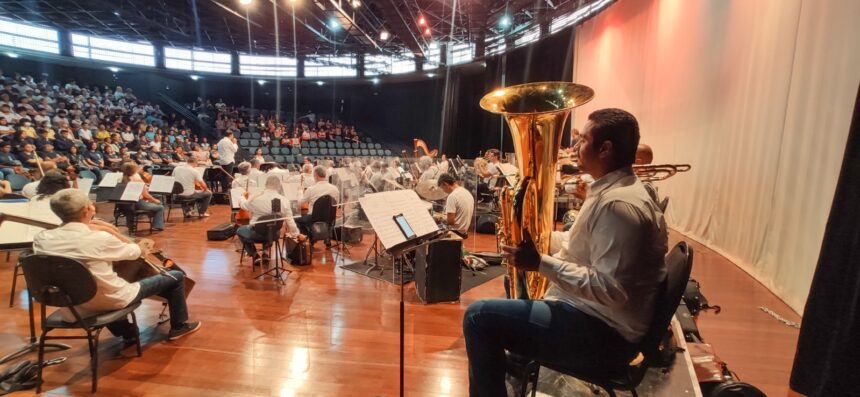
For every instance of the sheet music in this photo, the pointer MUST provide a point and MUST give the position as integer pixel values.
(17, 233)
(85, 185)
(291, 190)
(133, 191)
(162, 184)
(382, 207)
(509, 172)
(111, 179)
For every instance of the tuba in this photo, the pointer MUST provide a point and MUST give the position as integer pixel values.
(536, 114)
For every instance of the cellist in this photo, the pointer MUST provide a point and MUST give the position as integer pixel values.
(258, 205)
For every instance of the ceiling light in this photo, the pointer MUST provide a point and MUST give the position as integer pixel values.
(261, 82)
(422, 21)
(113, 69)
(427, 32)
(194, 77)
(505, 21)
(334, 24)
(375, 80)
(384, 35)
(431, 75)
(356, 3)
(11, 55)
(245, 2)
(116, 13)
(320, 82)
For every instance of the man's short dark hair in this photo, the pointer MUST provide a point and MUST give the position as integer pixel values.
(446, 179)
(619, 127)
(228, 133)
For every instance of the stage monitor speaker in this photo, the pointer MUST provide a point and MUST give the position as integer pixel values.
(486, 223)
(221, 232)
(352, 234)
(437, 271)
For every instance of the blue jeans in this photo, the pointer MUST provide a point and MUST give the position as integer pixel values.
(166, 287)
(248, 237)
(157, 211)
(202, 199)
(551, 332)
(6, 172)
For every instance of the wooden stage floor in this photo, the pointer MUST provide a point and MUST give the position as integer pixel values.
(332, 332)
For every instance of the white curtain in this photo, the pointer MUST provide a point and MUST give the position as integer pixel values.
(757, 96)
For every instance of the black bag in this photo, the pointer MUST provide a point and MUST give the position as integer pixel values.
(298, 252)
(486, 224)
(221, 232)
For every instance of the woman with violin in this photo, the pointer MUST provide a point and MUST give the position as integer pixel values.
(99, 245)
(132, 173)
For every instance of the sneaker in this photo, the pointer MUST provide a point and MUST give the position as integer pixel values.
(205, 214)
(184, 330)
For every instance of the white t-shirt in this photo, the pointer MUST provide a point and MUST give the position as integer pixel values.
(321, 188)
(186, 176)
(227, 150)
(461, 203)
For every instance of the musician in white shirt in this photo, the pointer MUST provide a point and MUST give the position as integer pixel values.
(603, 285)
(459, 206)
(320, 188)
(97, 244)
(243, 178)
(227, 149)
(260, 205)
(193, 186)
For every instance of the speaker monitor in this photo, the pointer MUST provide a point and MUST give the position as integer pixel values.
(437, 271)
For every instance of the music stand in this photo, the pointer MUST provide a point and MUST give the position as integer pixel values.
(382, 209)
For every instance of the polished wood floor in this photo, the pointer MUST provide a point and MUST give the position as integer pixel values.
(332, 332)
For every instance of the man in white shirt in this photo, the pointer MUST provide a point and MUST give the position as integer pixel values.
(603, 285)
(260, 205)
(320, 188)
(459, 206)
(97, 244)
(227, 149)
(193, 186)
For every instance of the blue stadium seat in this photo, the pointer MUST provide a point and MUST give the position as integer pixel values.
(377, 146)
(338, 145)
(306, 151)
(341, 152)
(255, 143)
(313, 144)
(365, 152)
(330, 144)
(278, 158)
(268, 158)
(265, 150)
(349, 152)
(305, 144)
(288, 159)
(324, 151)
(362, 145)
(243, 142)
(299, 159)
(315, 151)
(387, 152)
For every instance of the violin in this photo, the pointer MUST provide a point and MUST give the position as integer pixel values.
(72, 174)
(145, 176)
(243, 216)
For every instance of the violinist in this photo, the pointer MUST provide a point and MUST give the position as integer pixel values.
(193, 186)
(131, 173)
(259, 205)
(243, 179)
(29, 190)
(97, 244)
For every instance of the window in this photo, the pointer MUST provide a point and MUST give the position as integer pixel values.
(576, 16)
(404, 63)
(461, 53)
(268, 66)
(496, 45)
(330, 66)
(112, 50)
(375, 65)
(530, 35)
(433, 57)
(28, 37)
(198, 61)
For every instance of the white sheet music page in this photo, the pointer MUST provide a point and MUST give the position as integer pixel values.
(133, 191)
(161, 184)
(13, 232)
(85, 185)
(510, 172)
(382, 207)
(111, 179)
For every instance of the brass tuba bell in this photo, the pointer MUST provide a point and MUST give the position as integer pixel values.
(536, 114)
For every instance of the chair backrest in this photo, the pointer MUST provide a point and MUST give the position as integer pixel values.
(267, 226)
(177, 188)
(324, 210)
(58, 281)
(679, 264)
(87, 174)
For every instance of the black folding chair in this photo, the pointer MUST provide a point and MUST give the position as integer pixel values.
(679, 263)
(322, 220)
(66, 283)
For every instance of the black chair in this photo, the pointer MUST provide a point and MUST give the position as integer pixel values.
(175, 199)
(679, 263)
(269, 226)
(132, 216)
(66, 283)
(322, 220)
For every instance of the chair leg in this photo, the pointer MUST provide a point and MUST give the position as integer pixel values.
(41, 360)
(94, 360)
(136, 333)
(14, 283)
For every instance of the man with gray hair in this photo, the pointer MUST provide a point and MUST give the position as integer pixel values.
(259, 205)
(243, 177)
(320, 188)
(97, 244)
(429, 171)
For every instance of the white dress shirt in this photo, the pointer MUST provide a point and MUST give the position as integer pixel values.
(242, 181)
(96, 250)
(227, 150)
(186, 176)
(461, 203)
(319, 189)
(261, 204)
(614, 263)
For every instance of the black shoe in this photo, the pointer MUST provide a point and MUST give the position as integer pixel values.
(184, 330)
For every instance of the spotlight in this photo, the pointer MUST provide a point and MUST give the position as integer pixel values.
(194, 77)
(356, 3)
(245, 2)
(11, 55)
(431, 75)
(384, 35)
(116, 13)
(375, 80)
(505, 21)
(320, 83)
(427, 32)
(261, 82)
(113, 69)
(422, 21)
(334, 24)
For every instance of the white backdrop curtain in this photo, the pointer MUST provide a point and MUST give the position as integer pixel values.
(757, 96)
